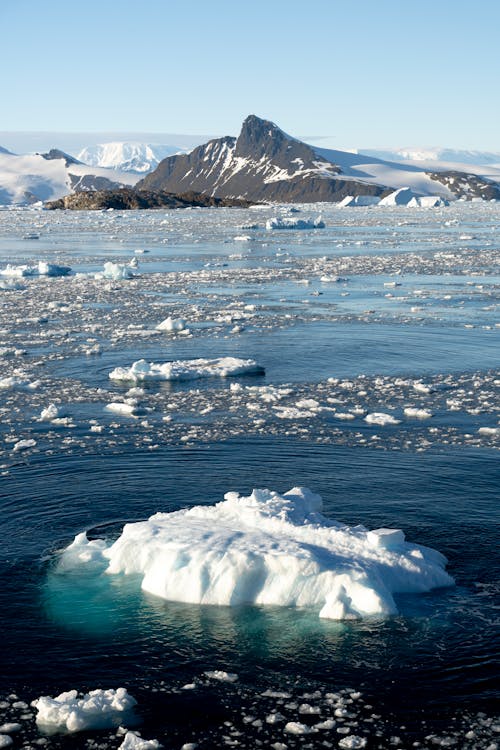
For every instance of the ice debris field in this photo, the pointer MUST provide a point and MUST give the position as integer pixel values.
(335, 320)
(266, 549)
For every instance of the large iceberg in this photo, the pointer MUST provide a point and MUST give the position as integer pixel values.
(186, 369)
(266, 549)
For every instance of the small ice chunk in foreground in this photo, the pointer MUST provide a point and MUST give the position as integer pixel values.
(98, 709)
(5, 740)
(133, 741)
(266, 549)
(187, 369)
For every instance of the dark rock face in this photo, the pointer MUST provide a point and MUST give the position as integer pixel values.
(81, 183)
(56, 153)
(262, 164)
(129, 198)
(467, 185)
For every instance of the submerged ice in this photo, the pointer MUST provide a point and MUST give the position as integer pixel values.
(266, 549)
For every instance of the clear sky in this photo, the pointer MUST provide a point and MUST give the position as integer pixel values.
(366, 73)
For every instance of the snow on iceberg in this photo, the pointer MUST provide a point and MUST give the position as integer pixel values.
(400, 197)
(187, 369)
(267, 549)
(285, 222)
(98, 709)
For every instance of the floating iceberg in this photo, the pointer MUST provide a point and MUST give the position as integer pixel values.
(187, 369)
(116, 272)
(172, 325)
(99, 709)
(279, 222)
(51, 269)
(359, 200)
(266, 549)
(400, 197)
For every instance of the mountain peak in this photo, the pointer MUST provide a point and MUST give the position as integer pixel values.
(259, 137)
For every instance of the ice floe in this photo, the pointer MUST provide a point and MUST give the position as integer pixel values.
(286, 222)
(98, 709)
(267, 549)
(193, 369)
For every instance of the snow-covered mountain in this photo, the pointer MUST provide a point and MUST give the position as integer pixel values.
(127, 156)
(40, 177)
(266, 164)
(436, 154)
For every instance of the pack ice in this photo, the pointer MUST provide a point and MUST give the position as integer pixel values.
(267, 549)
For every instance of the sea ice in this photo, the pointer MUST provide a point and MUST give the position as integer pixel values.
(171, 324)
(51, 269)
(188, 369)
(116, 271)
(267, 549)
(285, 222)
(98, 709)
(133, 741)
(381, 418)
(400, 197)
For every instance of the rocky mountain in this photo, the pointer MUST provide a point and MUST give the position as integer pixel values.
(262, 164)
(128, 198)
(265, 164)
(127, 156)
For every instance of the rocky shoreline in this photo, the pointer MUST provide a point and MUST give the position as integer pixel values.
(124, 199)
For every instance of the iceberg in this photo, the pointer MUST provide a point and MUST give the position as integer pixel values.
(98, 709)
(400, 197)
(290, 223)
(187, 369)
(266, 549)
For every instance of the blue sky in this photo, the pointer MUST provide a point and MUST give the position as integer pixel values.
(365, 73)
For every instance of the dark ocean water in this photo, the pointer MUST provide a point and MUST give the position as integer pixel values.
(436, 659)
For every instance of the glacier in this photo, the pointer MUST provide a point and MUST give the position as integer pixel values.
(265, 549)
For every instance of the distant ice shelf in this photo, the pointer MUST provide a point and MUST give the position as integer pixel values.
(266, 549)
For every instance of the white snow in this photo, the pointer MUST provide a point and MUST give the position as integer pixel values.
(267, 549)
(31, 178)
(98, 709)
(192, 369)
(128, 156)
